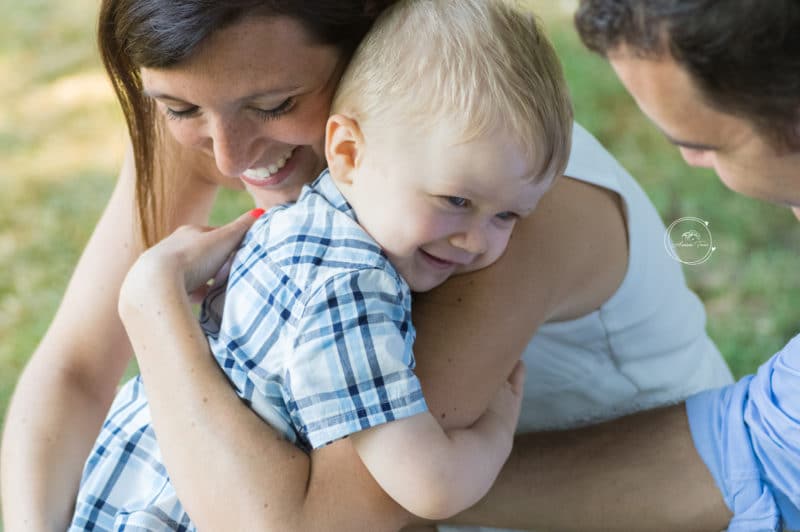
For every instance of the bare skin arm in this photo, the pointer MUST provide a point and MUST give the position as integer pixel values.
(640, 473)
(459, 363)
(62, 395)
(66, 388)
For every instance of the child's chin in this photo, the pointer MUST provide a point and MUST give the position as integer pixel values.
(424, 285)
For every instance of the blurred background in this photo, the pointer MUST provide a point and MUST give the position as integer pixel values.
(62, 138)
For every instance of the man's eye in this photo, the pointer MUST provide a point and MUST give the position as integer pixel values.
(457, 201)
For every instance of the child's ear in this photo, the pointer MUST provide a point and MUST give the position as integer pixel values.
(343, 144)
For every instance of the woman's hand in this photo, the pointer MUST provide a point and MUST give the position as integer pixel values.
(191, 256)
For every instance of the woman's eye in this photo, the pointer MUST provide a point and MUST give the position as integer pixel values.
(457, 201)
(176, 114)
(275, 112)
(507, 216)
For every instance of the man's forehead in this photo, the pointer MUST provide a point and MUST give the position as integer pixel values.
(666, 93)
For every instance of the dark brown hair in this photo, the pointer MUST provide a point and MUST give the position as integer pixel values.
(161, 33)
(744, 55)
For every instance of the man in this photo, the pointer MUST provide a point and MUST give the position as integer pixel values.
(722, 81)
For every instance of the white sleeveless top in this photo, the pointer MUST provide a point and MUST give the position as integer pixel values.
(644, 347)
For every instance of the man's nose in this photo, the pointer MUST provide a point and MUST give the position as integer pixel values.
(699, 158)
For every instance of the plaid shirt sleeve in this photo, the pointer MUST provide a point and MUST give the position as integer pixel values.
(351, 367)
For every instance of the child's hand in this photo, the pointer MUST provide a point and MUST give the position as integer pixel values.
(507, 400)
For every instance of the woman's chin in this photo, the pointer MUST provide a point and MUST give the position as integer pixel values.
(267, 198)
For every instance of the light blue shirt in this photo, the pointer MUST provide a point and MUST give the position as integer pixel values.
(748, 434)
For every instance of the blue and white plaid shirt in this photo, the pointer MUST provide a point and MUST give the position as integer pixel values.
(314, 331)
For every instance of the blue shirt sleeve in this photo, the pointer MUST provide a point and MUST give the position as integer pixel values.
(748, 435)
(351, 366)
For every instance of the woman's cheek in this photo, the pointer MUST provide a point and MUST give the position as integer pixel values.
(184, 135)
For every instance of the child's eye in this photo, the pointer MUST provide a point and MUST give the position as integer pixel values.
(507, 216)
(457, 201)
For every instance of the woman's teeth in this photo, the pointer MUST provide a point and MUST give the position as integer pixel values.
(272, 169)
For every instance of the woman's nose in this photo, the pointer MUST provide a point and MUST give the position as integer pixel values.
(234, 148)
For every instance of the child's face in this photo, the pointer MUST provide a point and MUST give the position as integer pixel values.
(438, 207)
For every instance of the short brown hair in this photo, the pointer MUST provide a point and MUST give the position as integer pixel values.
(744, 55)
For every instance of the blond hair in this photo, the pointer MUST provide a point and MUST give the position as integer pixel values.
(477, 65)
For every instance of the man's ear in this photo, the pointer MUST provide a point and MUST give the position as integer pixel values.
(343, 144)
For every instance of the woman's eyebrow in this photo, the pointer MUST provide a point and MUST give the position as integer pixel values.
(257, 94)
(161, 96)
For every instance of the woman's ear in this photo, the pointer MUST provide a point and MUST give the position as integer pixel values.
(343, 144)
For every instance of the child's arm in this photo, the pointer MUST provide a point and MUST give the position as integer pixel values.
(434, 473)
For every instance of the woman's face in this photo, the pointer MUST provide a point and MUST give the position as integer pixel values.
(254, 97)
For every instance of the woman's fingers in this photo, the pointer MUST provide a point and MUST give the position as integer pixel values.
(233, 231)
(193, 253)
(207, 253)
(517, 377)
(223, 240)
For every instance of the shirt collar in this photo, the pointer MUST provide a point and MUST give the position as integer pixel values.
(325, 187)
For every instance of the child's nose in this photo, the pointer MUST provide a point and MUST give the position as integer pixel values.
(473, 240)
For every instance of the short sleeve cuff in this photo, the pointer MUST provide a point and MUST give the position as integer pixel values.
(397, 396)
(722, 439)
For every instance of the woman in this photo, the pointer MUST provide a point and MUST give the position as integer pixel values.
(236, 94)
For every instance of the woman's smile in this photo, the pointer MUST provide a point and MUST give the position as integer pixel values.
(272, 173)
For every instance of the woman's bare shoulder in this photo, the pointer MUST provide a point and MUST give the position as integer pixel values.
(581, 229)
(563, 261)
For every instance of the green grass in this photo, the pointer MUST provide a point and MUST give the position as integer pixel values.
(61, 141)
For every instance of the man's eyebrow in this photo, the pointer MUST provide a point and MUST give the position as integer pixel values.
(691, 145)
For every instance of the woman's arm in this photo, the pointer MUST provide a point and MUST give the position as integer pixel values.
(66, 388)
(471, 332)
